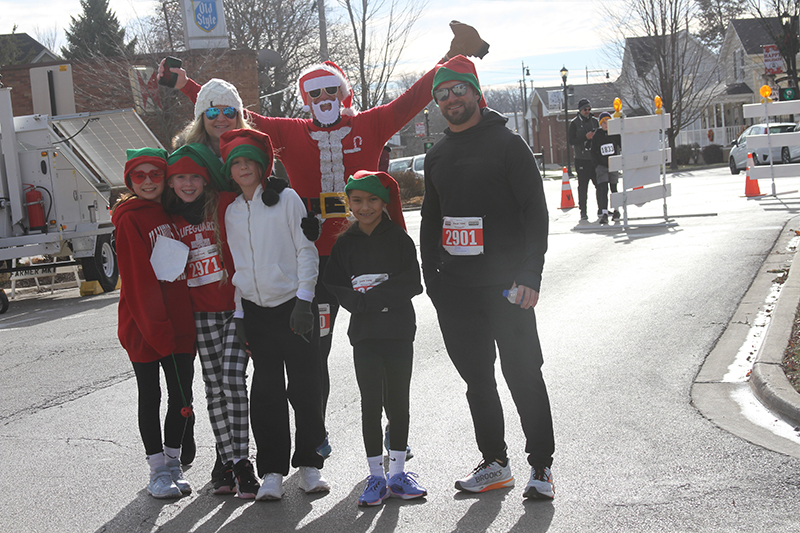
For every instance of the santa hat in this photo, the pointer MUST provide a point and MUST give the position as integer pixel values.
(384, 187)
(197, 158)
(327, 74)
(217, 93)
(154, 156)
(459, 68)
(248, 143)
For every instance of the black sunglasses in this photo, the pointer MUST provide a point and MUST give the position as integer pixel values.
(444, 92)
(314, 93)
(213, 112)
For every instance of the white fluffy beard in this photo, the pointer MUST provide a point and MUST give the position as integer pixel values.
(326, 117)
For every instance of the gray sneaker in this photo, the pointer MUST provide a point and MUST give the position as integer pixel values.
(541, 485)
(176, 472)
(161, 485)
(487, 476)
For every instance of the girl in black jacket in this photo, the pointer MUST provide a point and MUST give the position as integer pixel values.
(374, 273)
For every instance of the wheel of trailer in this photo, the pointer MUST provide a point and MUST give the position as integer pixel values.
(3, 302)
(103, 266)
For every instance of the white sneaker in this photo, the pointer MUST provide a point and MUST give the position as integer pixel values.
(271, 487)
(541, 485)
(487, 476)
(311, 480)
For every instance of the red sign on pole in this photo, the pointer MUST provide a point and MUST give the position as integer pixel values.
(773, 62)
(419, 128)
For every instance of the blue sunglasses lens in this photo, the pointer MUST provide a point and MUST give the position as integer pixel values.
(213, 112)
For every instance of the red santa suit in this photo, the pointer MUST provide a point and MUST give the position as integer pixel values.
(354, 143)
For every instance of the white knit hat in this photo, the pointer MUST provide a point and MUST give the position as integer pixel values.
(217, 93)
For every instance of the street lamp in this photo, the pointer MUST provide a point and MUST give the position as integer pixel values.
(564, 73)
(524, 83)
(427, 144)
(790, 48)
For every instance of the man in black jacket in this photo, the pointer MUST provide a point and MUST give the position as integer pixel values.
(581, 131)
(484, 230)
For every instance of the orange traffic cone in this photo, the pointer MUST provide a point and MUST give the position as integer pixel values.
(567, 201)
(751, 185)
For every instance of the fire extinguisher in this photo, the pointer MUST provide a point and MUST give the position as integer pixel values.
(35, 205)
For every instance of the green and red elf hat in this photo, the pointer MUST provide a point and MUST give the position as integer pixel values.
(384, 187)
(248, 143)
(154, 156)
(197, 158)
(458, 68)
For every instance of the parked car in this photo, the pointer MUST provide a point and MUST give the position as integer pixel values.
(761, 156)
(402, 164)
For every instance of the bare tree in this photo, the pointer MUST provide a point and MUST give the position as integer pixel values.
(47, 37)
(714, 16)
(782, 32)
(505, 100)
(662, 58)
(380, 30)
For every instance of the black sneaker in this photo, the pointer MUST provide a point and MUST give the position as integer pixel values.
(584, 216)
(603, 219)
(223, 480)
(615, 215)
(247, 484)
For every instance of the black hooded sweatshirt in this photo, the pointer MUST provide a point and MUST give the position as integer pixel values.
(485, 171)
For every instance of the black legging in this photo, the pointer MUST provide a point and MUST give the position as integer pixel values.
(379, 361)
(179, 372)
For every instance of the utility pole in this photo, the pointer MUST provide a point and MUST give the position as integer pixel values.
(323, 31)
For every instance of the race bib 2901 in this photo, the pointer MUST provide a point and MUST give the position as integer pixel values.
(462, 235)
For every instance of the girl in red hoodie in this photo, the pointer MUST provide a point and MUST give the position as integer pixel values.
(199, 212)
(156, 327)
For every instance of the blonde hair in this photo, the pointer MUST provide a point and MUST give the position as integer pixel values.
(195, 131)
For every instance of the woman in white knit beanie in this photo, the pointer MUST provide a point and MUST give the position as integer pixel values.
(218, 109)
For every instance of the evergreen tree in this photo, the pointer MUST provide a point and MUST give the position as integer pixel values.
(714, 16)
(96, 32)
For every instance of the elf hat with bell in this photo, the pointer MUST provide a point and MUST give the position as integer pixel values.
(384, 187)
(154, 156)
(327, 74)
(248, 143)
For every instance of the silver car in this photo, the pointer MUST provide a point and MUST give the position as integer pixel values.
(761, 156)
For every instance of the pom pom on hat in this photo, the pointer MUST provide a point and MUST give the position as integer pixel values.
(459, 68)
(154, 156)
(327, 74)
(384, 187)
(248, 143)
(217, 93)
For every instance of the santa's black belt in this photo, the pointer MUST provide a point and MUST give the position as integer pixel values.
(328, 205)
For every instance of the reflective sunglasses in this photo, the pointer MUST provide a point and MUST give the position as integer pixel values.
(444, 92)
(213, 112)
(314, 93)
(139, 176)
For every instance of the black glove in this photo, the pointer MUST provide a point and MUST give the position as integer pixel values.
(272, 190)
(302, 319)
(311, 226)
(241, 335)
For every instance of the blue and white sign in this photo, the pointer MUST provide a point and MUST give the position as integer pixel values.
(205, 14)
(204, 24)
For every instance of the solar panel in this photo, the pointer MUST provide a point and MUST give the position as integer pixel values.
(102, 138)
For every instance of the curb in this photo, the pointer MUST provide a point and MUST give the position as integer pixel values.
(767, 379)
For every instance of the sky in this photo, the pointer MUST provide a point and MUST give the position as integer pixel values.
(542, 35)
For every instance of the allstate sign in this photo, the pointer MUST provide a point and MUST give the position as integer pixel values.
(205, 14)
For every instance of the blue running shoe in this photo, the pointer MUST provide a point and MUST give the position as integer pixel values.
(324, 449)
(404, 485)
(375, 491)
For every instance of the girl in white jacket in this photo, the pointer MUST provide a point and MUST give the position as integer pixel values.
(276, 271)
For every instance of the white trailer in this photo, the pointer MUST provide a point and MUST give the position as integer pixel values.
(57, 178)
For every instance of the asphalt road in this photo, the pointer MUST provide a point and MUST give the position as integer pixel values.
(627, 319)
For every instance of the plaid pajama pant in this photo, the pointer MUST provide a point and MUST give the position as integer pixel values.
(224, 364)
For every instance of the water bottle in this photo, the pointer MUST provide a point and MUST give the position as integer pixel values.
(511, 295)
